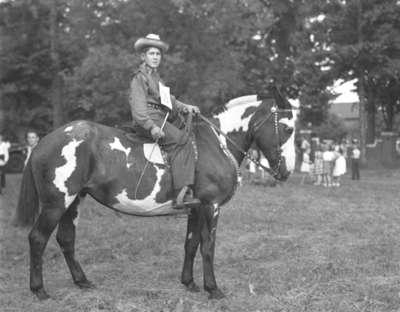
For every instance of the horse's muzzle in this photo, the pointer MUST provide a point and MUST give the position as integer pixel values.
(282, 174)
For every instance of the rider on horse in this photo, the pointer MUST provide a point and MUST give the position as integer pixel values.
(151, 103)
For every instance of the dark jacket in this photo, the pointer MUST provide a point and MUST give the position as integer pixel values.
(145, 95)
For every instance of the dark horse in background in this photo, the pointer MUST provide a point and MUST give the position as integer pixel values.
(84, 157)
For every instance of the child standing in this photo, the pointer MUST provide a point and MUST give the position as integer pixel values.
(328, 157)
(355, 162)
(305, 165)
(318, 165)
(339, 168)
(4, 156)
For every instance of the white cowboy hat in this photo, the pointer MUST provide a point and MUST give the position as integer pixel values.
(151, 40)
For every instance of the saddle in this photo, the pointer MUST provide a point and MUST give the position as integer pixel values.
(152, 151)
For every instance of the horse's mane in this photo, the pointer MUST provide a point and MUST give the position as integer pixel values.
(273, 94)
(241, 100)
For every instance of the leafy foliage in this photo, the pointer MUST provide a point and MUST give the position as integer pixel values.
(218, 50)
(97, 88)
(24, 63)
(333, 129)
(363, 40)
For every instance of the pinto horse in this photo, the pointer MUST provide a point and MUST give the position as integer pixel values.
(84, 157)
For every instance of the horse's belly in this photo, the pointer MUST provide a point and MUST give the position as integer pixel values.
(145, 207)
(156, 203)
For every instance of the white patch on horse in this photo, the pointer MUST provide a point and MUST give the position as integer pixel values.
(140, 205)
(288, 122)
(63, 173)
(190, 235)
(117, 145)
(75, 221)
(231, 119)
(68, 129)
(153, 153)
(224, 146)
(216, 210)
(288, 149)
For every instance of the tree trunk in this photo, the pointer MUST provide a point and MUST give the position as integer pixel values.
(362, 117)
(361, 93)
(370, 136)
(390, 116)
(55, 60)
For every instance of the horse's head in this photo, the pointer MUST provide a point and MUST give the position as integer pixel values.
(268, 123)
(272, 130)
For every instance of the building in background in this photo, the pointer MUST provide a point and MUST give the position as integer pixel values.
(346, 104)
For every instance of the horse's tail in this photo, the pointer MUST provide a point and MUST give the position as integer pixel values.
(28, 202)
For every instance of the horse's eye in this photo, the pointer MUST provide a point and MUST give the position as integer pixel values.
(288, 129)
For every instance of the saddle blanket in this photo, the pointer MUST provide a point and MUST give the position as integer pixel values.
(153, 153)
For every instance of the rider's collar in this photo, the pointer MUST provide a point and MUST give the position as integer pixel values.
(147, 69)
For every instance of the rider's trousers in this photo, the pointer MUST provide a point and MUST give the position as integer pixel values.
(180, 151)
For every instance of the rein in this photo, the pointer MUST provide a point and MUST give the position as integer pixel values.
(274, 111)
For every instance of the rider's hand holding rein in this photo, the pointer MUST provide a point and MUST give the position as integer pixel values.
(191, 109)
(157, 133)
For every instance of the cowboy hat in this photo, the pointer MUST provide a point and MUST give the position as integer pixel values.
(151, 40)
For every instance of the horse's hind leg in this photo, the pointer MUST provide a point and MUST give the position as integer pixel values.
(38, 238)
(191, 244)
(208, 227)
(66, 239)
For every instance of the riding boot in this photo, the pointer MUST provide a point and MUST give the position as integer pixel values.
(185, 198)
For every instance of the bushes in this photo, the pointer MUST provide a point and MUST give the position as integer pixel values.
(333, 128)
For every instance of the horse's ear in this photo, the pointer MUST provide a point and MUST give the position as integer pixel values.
(280, 100)
(211, 108)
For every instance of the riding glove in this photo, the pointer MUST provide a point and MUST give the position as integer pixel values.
(157, 133)
(191, 109)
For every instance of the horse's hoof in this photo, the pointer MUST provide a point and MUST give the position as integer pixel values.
(216, 294)
(85, 284)
(41, 294)
(192, 287)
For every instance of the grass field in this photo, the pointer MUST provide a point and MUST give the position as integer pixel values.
(288, 248)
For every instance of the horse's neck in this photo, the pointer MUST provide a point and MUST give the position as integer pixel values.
(242, 141)
(235, 122)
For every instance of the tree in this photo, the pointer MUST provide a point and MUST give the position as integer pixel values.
(218, 50)
(24, 63)
(97, 89)
(361, 39)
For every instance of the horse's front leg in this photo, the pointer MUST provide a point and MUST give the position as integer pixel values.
(208, 227)
(191, 244)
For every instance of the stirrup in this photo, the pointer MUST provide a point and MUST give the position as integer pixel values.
(180, 204)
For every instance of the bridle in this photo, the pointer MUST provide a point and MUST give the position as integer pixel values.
(275, 113)
(274, 171)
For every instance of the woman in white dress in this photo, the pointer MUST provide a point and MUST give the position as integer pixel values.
(305, 165)
(4, 156)
(339, 168)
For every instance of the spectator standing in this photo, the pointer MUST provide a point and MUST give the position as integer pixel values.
(265, 163)
(305, 165)
(252, 170)
(32, 139)
(328, 158)
(355, 162)
(314, 145)
(304, 145)
(339, 168)
(344, 147)
(318, 165)
(4, 156)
